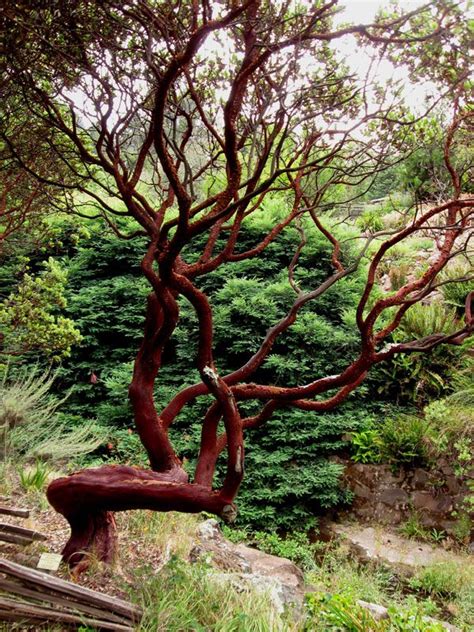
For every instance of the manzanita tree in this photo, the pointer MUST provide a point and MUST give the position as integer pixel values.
(188, 117)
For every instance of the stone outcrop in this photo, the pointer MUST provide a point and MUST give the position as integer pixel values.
(378, 545)
(387, 497)
(247, 568)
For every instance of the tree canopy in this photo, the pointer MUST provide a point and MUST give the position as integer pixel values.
(183, 122)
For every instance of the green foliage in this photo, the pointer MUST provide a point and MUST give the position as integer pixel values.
(403, 440)
(31, 316)
(340, 583)
(422, 320)
(288, 477)
(339, 612)
(34, 477)
(31, 426)
(417, 378)
(455, 289)
(371, 219)
(187, 597)
(366, 446)
(444, 580)
(413, 528)
(296, 546)
(400, 440)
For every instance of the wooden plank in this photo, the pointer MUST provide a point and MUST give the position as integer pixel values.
(19, 611)
(15, 588)
(80, 593)
(13, 528)
(14, 538)
(15, 511)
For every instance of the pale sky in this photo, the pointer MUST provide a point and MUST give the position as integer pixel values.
(363, 12)
(354, 11)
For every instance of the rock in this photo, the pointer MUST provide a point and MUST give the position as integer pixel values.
(388, 498)
(432, 504)
(382, 546)
(380, 612)
(215, 549)
(394, 497)
(272, 588)
(209, 530)
(272, 566)
(247, 567)
(453, 485)
(420, 478)
(445, 624)
(362, 491)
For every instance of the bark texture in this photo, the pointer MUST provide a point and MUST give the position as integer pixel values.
(87, 499)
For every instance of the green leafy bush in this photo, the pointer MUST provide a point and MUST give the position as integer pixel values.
(32, 317)
(417, 378)
(289, 478)
(455, 291)
(341, 612)
(403, 439)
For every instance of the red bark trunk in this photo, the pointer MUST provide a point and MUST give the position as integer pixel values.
(87, 498)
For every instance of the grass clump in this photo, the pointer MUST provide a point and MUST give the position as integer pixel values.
(188, 597)
(445, 579)
(30, 425)
(171, 532)
(449, 582)
(34, 477)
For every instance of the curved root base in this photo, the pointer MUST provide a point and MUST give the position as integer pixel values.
(93, 535)
(88, 498)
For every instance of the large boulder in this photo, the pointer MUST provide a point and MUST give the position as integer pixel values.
(247, 568)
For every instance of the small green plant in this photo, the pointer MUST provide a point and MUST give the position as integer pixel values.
(399, 275)
(437, 535)
(296, 547)
(443, 580)
(340, 612)
(413, 528)
(464, 448)
(366, 446)
(404, 440)
(34, 478)
(337, 613)
(411, 620)
(463, 527)
(371, 219)
(421, 320)
(455, 291)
